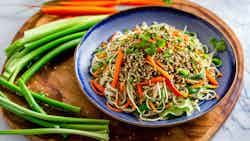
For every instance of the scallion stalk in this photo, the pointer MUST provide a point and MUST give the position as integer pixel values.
(40, 97)
(41, 131)
(5, 103)
(41, 62)
(29, 98)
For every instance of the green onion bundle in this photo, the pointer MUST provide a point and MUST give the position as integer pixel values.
(28, 55)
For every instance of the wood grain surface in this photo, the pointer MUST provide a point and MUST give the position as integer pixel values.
(58, 80)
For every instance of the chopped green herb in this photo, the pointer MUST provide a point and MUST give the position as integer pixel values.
(167, 53)
(219, 45)
(192, 34)
(143, 107)
(151, 50)
(192, 90)
(198, 76)
(160, 43)
(131, 80)
(129, 50)
(126, 30)
(183, 72)
(97, 66)
(217, 61)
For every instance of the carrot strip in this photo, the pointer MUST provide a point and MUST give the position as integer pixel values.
(152, 106)
(151, 61)
(127, 104)
(139, 90)
(97, 88)
(211, 79)
(77, 10)
(88, 3)
(171, 86)
(112, 108)
(174, 89)
(198, 85)
(118, 64)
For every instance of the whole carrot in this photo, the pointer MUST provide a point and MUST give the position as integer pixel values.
(88, 3)
(76, 10)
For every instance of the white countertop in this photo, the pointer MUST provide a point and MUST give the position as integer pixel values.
(236, 13)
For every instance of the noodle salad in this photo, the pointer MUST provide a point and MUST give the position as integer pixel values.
(156, 72)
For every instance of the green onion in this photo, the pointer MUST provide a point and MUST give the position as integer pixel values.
(29, 98)
(15, 67)
(41, 131)
(160, 43)
(50, 28)
(52, 54)
(7, 104)
(192, 90)
(192, 34)
(71, 30)
(217, 61)
(40, 97)
(151, 50)
(167, 53)
(183, 72)
(198, 76)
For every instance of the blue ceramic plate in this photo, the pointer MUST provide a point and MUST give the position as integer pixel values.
(128, 19)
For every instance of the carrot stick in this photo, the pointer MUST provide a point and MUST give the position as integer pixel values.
(118, 64)
(112, 108)
(127, 104)
(171, 86)
(198, 85)
(88, 3)
(76, 10)
(139, 90)
(151, 61)
(97, 88)
(174, 89)
(211, 79)
(152, 106)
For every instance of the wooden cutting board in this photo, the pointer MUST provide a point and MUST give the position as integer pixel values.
(58, 80)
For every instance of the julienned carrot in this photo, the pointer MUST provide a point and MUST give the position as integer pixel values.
(198, 85)
(139, 90)
(118, 64)
(151, 61)
(97, 88)
(112, 108)
(77, 10)
(127, 104)
(174, 89)
(152, 106)
(141, 2)
(211, 79)
(88, 3)
(170, 85)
